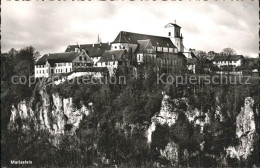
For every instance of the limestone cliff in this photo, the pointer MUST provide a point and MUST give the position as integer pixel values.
(51, 112)
(245, 131)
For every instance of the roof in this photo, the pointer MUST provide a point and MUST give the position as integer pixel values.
(191, 61)
(61, 58)
(93, 50)
(128, 37)
(172, 25)
(228, 58)
(144, 45)
(42, 60)
(112, 55)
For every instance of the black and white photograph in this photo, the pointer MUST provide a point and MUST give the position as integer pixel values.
(130, 83)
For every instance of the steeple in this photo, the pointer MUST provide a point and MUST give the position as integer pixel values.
(174, 32)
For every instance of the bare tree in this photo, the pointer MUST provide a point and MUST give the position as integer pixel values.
(228, 51)
(201, 55)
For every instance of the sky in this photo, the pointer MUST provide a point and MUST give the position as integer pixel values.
(206, 25)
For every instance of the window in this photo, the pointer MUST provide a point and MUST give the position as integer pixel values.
(66, 70)
(139, 57)
(169, 33)
(85, 58)
(115, 47)
(70, 69)
(80, 58)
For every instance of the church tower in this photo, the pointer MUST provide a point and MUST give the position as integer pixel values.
(174, 32)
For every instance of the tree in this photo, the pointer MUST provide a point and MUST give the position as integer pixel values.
(211, 55)
(201, 55)
(228, 51)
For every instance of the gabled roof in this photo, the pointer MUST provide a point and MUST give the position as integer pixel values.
(93, 50)
(144, 45)
(42, 60)
(228, 58)
(112, 55)
(61, 58)
(128, 37)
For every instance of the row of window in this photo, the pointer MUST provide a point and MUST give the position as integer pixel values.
(63, 71)
(63, 64)
(56, 71)
(109, 63)
(120, 47)
(163, 49)
(81, 64)
(81, 58)
(225, 62)
(40, 66)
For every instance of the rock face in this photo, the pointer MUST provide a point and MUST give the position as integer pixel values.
(245, 131)
(245, 127)
(171, 153)
(169, 114)
(53, 113)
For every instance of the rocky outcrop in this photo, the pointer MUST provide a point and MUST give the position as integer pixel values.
(245, 132)
(169, 114)
(171, 153)
(52, 112)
